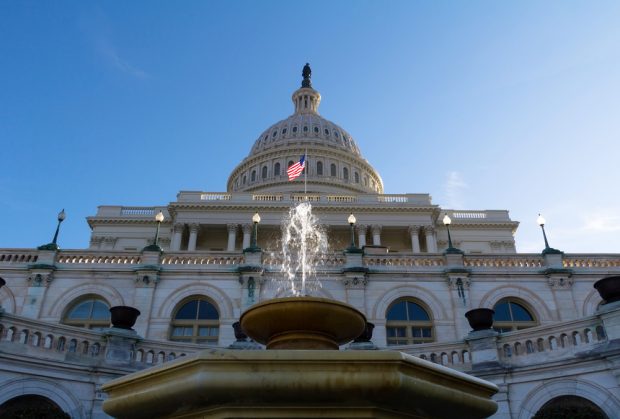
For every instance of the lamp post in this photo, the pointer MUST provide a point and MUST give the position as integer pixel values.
(352, 222)
(255, 220)
(53, 245)
(155, 246)
(447, 221)
(548, 250)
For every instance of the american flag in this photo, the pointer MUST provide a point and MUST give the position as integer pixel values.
(295, 170)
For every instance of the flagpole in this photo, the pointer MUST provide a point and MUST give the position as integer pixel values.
(306, 174)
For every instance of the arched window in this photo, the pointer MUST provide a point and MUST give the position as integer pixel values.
(319, 168)
(511, 314)
(244, 179)
(276, 169)
(253, 177)
(91, 312)
(264, 172)
(332, 170)
(408, 323)
(345, 173)
(570, 406)
(357, 177)
(195, 320)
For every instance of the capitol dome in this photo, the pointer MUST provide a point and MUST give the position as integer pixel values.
(334, 163)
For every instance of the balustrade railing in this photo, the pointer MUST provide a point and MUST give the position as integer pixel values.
(553, 341)
(202, 259)
(91, 257)
(410, 261)
(591, 261)
(504, 261)
(452, 354)
(18, 256)
(46, 340)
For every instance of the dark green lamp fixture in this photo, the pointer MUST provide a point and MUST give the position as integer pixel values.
(548, 250)
(53, 245)
(451, 249)
(254, 245)
(352, 249)
(155, 246)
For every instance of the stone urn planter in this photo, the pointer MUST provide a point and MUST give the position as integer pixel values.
(609, 288)
(366, 335)
(480, 318)
(239, 333)
(124, 317)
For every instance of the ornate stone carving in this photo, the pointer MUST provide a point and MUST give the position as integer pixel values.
(40, 279)
(178, 227)
(232, 228)
(429, 230)
(247, 228)
(454, 282)
(361, 228)
(376, 229)
(193, 227)
(355, 281)
(560, 281)
(146, 278)
(96, 241)
(414, 230)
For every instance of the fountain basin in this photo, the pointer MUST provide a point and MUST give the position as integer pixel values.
(299, 384)
(302, 323)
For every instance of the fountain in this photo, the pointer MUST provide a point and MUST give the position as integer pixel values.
(292, 379)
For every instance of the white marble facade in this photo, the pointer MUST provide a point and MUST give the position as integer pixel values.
(564, 351)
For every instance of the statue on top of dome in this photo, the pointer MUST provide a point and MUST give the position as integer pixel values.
(306, 73)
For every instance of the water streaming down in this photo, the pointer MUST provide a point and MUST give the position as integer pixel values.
(304, 243)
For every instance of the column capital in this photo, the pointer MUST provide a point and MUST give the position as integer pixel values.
(376, 228)
(40, 277)
(193, 227)
(414, 229)
(232, 228)
(178, 227)
(361, 228)
(247, 228)
(429, 229)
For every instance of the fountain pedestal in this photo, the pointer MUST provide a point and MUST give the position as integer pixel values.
(299, 384)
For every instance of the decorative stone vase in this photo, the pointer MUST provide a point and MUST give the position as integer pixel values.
(480, 318)
(124, 317)
(239, 333)
(609, 288)
(366, 335)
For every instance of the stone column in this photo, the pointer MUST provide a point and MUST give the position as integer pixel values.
(193, 235)
(176, 237)
(247, 235)
(376, 235)
(232, 235)
(431, 244)
(415, 239)
(361, 235)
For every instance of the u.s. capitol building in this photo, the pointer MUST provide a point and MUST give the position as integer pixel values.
(553, 342)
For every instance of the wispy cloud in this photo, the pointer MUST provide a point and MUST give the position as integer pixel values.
(96, 26)
(454, 188)
(110, 53)
(601, 222)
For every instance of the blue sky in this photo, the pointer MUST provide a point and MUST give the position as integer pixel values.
(482, 104)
